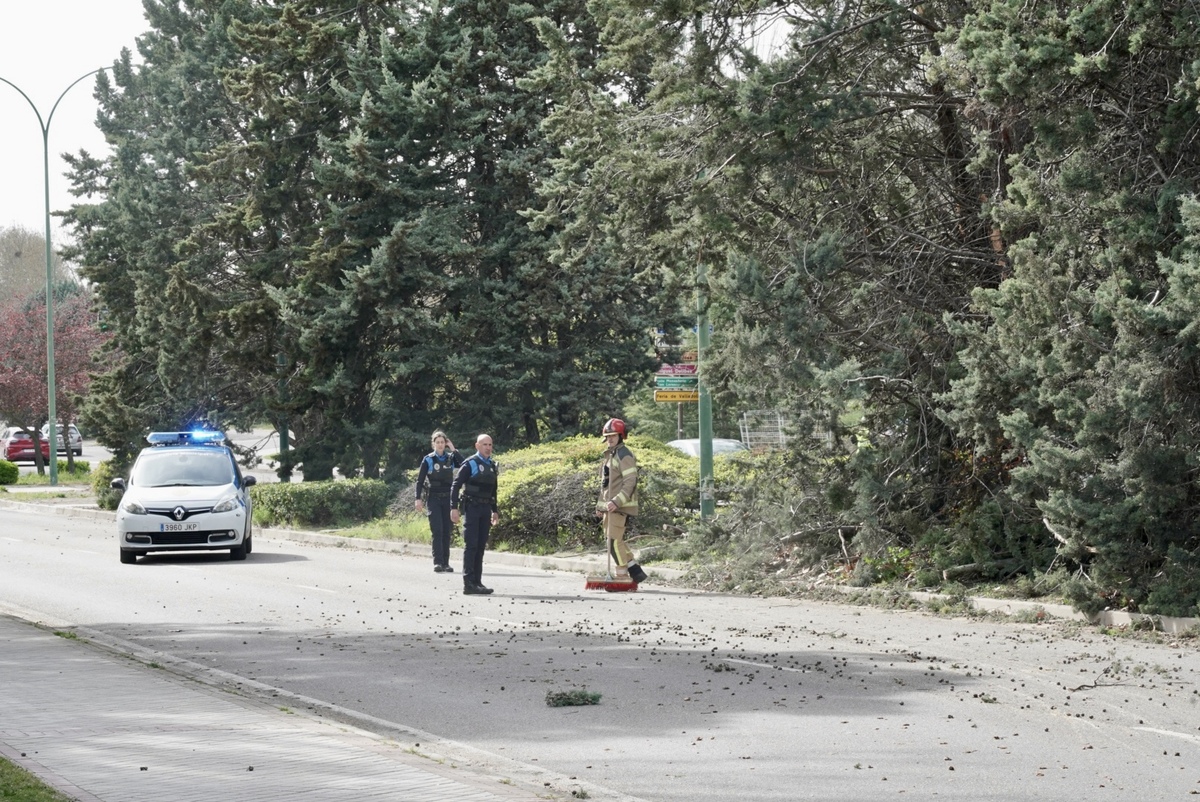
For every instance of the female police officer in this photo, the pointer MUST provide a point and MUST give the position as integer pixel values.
(433, 493)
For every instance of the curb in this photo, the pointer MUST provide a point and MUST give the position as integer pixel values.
(582, 563)
(1171, 625)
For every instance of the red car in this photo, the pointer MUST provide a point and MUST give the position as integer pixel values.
(17, 445)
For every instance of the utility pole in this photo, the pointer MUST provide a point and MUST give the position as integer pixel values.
(707, 495)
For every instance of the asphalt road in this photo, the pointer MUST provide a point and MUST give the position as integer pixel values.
(703, 697)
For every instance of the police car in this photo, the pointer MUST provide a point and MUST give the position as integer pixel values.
(184, 493)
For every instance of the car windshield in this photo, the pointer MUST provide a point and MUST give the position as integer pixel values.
(166, 467)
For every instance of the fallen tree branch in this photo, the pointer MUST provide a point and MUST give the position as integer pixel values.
(804, 534)
(1064, 541)
(972, 569)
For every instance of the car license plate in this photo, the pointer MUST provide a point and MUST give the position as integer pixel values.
(177, 527)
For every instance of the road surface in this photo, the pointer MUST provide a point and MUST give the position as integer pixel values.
(703, 697)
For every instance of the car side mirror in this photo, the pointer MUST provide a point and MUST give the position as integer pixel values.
(248, 481)
(117, 484)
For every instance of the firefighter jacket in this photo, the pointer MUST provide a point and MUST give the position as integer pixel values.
(618, 480)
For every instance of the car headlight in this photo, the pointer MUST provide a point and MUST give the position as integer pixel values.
(132, 507)
(226, 504)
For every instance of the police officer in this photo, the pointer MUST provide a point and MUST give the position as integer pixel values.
(618, 498)
(474, 492)
(433, 494)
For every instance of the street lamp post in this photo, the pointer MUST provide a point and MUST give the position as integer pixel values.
(52, 426)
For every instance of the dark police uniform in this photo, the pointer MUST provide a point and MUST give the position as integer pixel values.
(433, 486)
(474, 493)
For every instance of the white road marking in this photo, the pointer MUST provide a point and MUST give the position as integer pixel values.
(1185, 736)
(310, 587)
(517, 624)
(764, 665)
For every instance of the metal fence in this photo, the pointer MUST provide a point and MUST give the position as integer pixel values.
(764, 428)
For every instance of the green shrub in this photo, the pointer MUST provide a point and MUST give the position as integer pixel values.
(107, 497)
(1177, 586)
(547, 493)
(9, 472)
(545, 508)
(572, 698)
(320, 504)
(547, 496)
(82, 468)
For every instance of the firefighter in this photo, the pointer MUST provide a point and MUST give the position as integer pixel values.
(618, 498)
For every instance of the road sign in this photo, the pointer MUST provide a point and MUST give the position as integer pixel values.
(688, 369)
(676, 396)
(689, 356)
(678, 382)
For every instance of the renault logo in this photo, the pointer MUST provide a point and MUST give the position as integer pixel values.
(178, 513)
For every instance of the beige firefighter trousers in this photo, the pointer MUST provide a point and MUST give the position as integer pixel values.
(614, 533)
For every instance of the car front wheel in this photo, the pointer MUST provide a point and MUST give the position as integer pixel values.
(128, 556)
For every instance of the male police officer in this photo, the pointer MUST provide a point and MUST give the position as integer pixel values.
(474, 491)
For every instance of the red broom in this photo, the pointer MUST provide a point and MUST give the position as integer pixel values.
(608, 582)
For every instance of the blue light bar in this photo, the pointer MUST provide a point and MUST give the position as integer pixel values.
(194, 437)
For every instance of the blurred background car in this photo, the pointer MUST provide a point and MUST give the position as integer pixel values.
(720, 445)
(74, 439)
(16, 445)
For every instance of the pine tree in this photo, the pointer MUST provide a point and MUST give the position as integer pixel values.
(1078, 377)
(829, 194)
(179, 354)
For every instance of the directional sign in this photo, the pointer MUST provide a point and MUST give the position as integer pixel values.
(688, 369)
(676, 396)
(678, 382)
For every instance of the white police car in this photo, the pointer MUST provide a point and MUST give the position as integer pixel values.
(184, 493)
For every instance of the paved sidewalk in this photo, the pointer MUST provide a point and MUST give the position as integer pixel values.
(102, 727)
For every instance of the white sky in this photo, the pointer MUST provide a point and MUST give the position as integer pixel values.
(47, 45)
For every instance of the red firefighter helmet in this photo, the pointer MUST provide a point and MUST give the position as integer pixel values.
(613, 426)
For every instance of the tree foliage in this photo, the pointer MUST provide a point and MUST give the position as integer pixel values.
(316, 212)
(935, 231)
(24, 400)
(1081, 378)
(953, 242)
(23, 263)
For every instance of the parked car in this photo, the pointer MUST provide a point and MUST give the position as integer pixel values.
(17, 445)
(185, 492)
(720, 445)
(74, 439)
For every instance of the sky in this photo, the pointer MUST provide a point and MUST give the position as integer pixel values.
(47, 45)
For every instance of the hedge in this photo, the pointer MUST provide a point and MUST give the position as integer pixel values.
(323, 504)
(107, 497)
(548, 492)
(9, 472)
